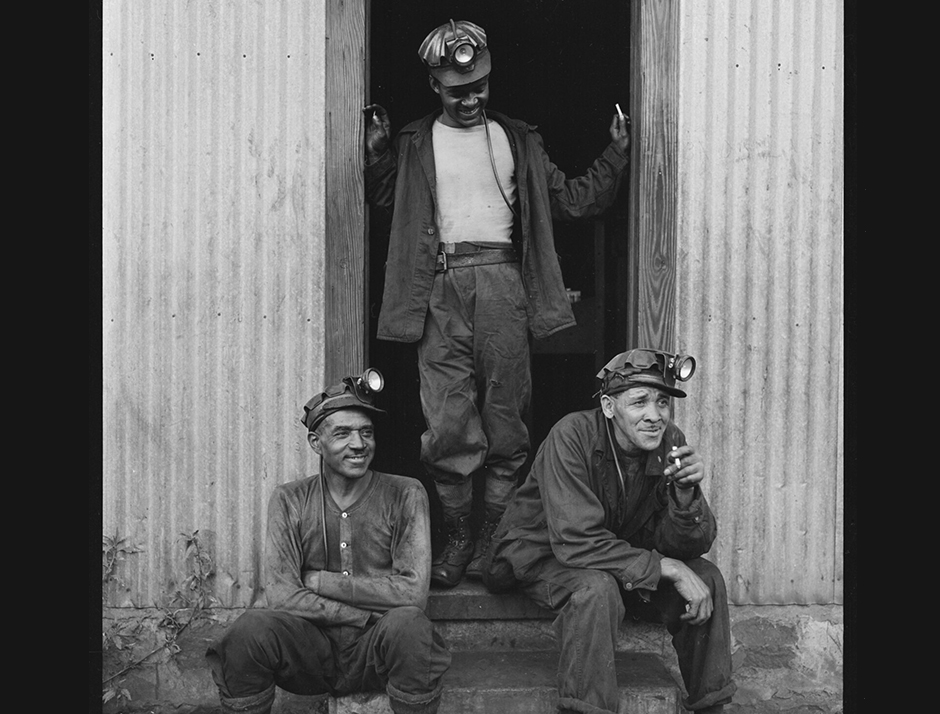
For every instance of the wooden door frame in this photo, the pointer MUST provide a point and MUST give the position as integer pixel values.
(653, 181)
(345, 274)
(653, 199)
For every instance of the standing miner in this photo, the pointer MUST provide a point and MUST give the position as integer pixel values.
(471, 270)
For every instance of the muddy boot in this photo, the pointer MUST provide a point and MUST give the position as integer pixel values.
(475, 568)
(498, 494)
(447, 568)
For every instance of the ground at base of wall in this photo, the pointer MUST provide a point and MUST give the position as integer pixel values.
(786, 659)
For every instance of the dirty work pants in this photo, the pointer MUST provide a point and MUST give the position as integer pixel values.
(473, 361)
(590, 605)
(400, 654)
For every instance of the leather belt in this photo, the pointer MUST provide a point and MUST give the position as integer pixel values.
(484, 256)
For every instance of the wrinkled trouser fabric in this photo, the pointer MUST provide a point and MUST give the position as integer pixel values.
(400, 654)
(590, 605)
(475, 383)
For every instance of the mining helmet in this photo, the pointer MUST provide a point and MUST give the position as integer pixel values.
(646, 368)
(456, 53)
(352, 393)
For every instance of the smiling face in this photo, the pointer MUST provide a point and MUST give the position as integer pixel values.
(346, 441)
(464, 104)
(639, 416)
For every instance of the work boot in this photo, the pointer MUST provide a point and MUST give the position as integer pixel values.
(475, 568)
(448, 568)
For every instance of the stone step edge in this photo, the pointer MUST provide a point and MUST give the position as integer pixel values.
(481, 679)
(470, 600)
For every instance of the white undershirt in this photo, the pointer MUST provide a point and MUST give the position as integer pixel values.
(469, 204)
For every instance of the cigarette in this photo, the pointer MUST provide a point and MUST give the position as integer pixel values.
(676, 461)
(619, 112)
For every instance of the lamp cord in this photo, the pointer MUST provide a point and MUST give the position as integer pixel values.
(613, 447)
(326, 552)
(489, 146)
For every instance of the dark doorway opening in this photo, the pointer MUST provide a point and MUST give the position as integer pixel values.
(560, 65)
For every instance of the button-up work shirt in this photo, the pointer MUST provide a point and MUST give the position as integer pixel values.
(379, 553)
(572, 509)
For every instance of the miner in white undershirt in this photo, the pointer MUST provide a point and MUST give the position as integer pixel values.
(472, 271)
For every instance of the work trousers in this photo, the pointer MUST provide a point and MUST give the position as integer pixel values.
(476, 383)
(590, 605)
(400, 654)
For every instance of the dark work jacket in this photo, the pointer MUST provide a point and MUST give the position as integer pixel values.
(568, 512)
(404, 177)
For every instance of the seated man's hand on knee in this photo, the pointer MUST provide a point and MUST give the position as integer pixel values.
(692, 589)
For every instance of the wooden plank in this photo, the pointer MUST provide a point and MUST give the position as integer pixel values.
(600, 291)
(654, 176)
(344, 274)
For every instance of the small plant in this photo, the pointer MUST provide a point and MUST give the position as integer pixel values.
(115, 692)
(171, 625)
(117, 635)
(120, 635)
(193, 596)
(194, 591)
(113, 551)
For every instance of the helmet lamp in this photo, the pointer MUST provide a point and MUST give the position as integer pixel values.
(683, 367)
(463, 54)
(371, 380)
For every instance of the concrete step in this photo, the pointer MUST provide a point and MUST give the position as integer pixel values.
(471, 618)
(517, 682)
(470, 600)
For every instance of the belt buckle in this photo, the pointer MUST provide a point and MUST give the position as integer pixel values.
(442, 251)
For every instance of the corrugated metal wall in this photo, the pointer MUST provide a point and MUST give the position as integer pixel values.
(213, 193)
(760, 286)
(213, 264)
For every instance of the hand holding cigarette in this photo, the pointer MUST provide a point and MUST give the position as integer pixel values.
(684, 467)
(620, 129)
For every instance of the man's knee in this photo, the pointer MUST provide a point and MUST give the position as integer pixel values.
(240, 648)
(709, 573)
(595, 590)
(415, 655)
(251, 625)
(407, 623)
(251, 634)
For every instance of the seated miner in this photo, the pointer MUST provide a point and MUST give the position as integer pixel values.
(611, 518)
(348, 563)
